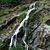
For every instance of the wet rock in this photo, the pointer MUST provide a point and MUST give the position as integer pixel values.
(39, 49)
(48, 22)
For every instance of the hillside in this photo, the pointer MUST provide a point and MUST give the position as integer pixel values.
(33, 33)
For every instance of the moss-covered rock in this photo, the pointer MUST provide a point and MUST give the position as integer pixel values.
(18, 47)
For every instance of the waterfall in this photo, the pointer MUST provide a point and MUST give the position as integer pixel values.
(18, 29)
(26, 31)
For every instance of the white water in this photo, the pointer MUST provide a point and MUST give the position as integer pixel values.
(26, 31)
(21, 25)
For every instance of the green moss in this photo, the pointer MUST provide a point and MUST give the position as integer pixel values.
(18, 47)
(21, 17)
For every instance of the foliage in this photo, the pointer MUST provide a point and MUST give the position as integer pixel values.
(4, 14)
(9, 1)
(18, 47)
(23, 8)
(21, 17)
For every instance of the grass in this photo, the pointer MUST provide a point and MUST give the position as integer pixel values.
(4, 11)
(22, 8)
(5, 17)
(21, 17)
(4, 14)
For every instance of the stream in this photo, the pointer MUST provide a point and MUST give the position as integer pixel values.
(33, 42)
(21, 25)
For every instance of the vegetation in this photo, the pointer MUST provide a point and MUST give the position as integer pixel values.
(7, 14)
(21, 17)
(23, 8)
(9, 2)
(18, 47)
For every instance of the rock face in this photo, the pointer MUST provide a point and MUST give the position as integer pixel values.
(48, 22)
(45, 36)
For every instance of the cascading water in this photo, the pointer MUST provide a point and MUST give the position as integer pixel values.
(13, 41)
(33, 31)
(26, 31)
